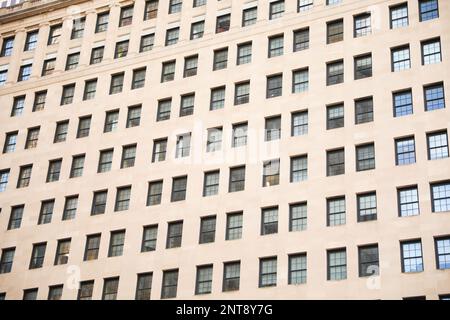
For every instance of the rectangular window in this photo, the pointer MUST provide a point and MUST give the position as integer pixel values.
(440, 196)
(187, 104)
(62, 252)
(249, 16)
(54, 170)
(172, 36)
(159, 150)
(231, 276)
(399, 16)
(335, 31)
(116, 85)
(335, 116)
(102, 22)
(151, 9)
(274, 86)
(123, 196)
(164, 107)
(18, 106)
(134, 116)
(138, 80)
(48, 67)
(276, 46)
(4, 177)
(203, 281)
(304, 5)
(7, 47)
(405, 151)
(267, 272)
(38, 255)
(149, 238)
(7, 259)
(337, 264)
(68, 92)
(10, 142)
(336, 211)
(175, 6)
(174, 234)
(154, 192)
(437, 145)
(76, 170)
(363, 66)
(365, 157)
(24, 72)
(408, 201)
(92, 247)
(276, 9)
(126, 16)
(78, 28)
(297, 268)
(428, 9)
(401, 59)
(31, 40)
(363, 110)
(237, 179)
(297, 216)
(299, 168)
(169, 284)
(111, 121)
(30, 294)
(434, 96)
(197, 30)
(110, 288)
(128, 156)
(271, 173)
(168, 71)
(70, 208)
(147, 42)
(299, 123)
(190, 66)
(431, 51)
(61, 131)
(367, 206)
(442, 248)
(300, 80)
(362, 25)
(335, 72)
(244, 53)
(214, 139)
(207, 229)
(269, 220)
(223, 23)
(46, 212)
(15, 219)
(105, 160)
(368, 258)
(403, 103)
(211, 183)
(72, 61)
(99, 202)
(179, 186)
(97, 55)
(116, 243)
(412, 260)
(242, 93)
(144, 286)
(24, 176)
(84, 126)
(220, 59)
(234, 226)
(90, 87)
(183, 145)
(39, 100)
(121, 49)
(239, 135)
(3, 76)
(217, 98)
(301, 39)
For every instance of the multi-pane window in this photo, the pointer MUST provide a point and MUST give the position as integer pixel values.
(304, 5)
(3, 76)
(10, 142)
(90, 88)
(138, 80)
(174, 234)
(172, 36)
(332, 2)
(111, 121)
(403, 103)
(297, 216)
(30, 294)
(336, 211)
(217, 98)
(168, 71)
(175, 6)
(15, 219)
(405, 151)
(39, 100)
(301, 39)
(207, 229)
(437, 145)
(187, 104)
(335, 31)
(179, 186)
(269, 220)
(55, 292)
(335, 116)
(38, 255)
(154, 192)
(363, 66)
(84, 126)
(234, 226)
(72, 61)
(249, 16)
(271, 173)
(214, 139)
(70, 208)
(7, 259)
(126, 16)
(408, 201)
(101, 24)
(123, 196)
(147, 42)
(276, 46)
(151, 9)
(24, 176)
(231, 276)
(144, 286)
(97, 55)
(68, 92)
(442, 247)
(134, 116)
(220, 59)
(110, 288)
(274, 86)
(183, 145)
(401, 59)
(428, 9)
(76, 170)
(105, 160)
(190, 66)
(299, 168)
(434, 96)
(242, 93)
(362, 25)
(7, 47)
(297, 268)
(62, 251)
(159, 150)
(211, 183)
(121, 49)
(48, 67)
(164, 107)
(244, 53)
(197, 30)
(54, 170)
(368, 260)
(412, 260)
(440, 196)
(4, 177)
(24, 72)
(239, 135)
(335, 72)
(18, 106)
(78, 28)
(116, 85)
(267, 272)
(365, 157)
(367, 206)
(300, 80)
(128, 156)
(223, 23)
(364, 110)
(203, 281)
(237, 179)
(31, 40)
(46, 212)
(116, 243)
(149, 238)
(399, 16)
(276, 9)
(99, 202)
(337, 264)
(431, 51)
(169, 284)
(92, 247)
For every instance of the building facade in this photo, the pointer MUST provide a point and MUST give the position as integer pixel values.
(205, 149)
